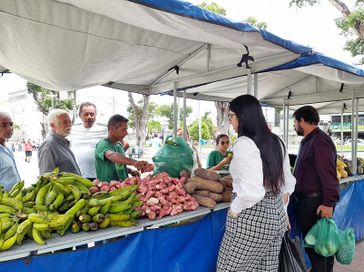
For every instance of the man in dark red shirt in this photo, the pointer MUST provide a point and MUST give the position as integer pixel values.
(317, 187)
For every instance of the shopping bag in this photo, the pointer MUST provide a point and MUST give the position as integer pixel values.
(311, 236)
(346, 250)
(324, 237)
(291, 257)
(173, 157)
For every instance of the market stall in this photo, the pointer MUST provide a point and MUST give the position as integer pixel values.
(148, 47)
(172, 247)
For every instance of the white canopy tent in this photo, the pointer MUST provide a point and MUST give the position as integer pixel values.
(311, 79)
(142, 46)
(330, 85)
(156, 46)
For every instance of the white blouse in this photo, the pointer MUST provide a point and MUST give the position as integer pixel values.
(246, 169)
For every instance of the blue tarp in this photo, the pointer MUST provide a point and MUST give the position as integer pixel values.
(349, 212)
(187, 9)
(191, 247)
(318, 58)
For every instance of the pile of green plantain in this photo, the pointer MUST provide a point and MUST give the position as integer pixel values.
(59, 201)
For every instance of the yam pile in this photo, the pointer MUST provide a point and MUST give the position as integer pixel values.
(209, 188)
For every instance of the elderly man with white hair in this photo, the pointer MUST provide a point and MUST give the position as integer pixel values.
(55, 151)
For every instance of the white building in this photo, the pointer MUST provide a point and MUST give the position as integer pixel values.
(25, 115)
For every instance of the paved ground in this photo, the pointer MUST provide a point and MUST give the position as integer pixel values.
(358, 263)
(29, 172)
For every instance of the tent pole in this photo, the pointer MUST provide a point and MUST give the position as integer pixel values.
(284, 120)
(287, 124)
(354, 133)
(342, 131)
(175, 106)
(208, 57)
(184, 115)
(199, 127)
(256, 85)
(249, 81)
(355, 140)
(74, 100)
(178, 112)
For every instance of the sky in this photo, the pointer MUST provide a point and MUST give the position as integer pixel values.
(310, 26)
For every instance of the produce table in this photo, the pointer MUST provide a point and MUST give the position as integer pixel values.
(351, 179)
(30, 249)
(160, 245)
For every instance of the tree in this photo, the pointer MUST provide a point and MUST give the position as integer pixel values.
(140, 114)
(254, 22)
(154, 127)
(151, 108)
(193, 130)
(213, 7)
(351, 24)
(222, 120)
(167, 111)
(207, 128)
(45, 100)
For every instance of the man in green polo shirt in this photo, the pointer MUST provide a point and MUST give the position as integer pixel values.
(110, 159)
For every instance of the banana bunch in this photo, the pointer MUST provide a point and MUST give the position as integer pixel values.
(41, 225)
(340, 169)
(116, 208)
(58, 202)
(10, 215)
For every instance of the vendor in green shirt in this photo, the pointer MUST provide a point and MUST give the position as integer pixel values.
(219, 159)
(110, 159)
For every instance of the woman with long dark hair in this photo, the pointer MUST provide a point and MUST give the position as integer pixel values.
(256, 220)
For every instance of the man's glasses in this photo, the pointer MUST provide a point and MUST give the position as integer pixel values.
(5, 125)
(224, 142)
(230, 115)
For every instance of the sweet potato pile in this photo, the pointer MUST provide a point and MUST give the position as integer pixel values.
(208, 188)
(162, 195)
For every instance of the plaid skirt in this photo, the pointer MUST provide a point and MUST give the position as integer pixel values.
(252, 241)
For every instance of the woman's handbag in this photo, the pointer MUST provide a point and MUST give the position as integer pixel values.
(291, 257)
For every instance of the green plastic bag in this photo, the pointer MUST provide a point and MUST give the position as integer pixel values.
(346, 251)
(324, 237)
(173, 157)
(311, 236)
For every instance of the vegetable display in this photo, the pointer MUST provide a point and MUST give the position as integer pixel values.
(209, 188)
(162, 195)
(60, 201)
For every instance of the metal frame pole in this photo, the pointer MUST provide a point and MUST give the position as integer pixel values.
(184, 115)
(175, 110)
(354, 135)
